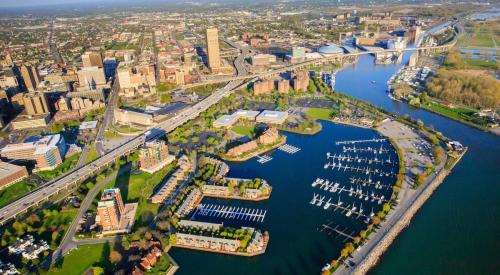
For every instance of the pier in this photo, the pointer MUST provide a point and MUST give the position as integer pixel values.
(358, 159)
(231, 212)
(369, 149)
(328, 227)
(336, 188)
(358, 169)
(346, 142)
(263, 159)
(288, 148)
(347, 210)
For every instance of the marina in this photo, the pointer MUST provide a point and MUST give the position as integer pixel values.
(357, 169)
(231, 212)
(348, 210)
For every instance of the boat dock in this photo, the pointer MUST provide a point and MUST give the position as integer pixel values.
(357, 169)
(357, 192)
(348, 210)
(356, 158)
(231, 212)
(330, 229)
(368, 149)
(346, 142)
(288, 148)
(263, 159)
(369, 181)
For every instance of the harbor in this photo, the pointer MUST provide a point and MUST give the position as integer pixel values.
(230, 212)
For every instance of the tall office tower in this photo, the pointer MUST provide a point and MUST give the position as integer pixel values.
(35, 103)
(213, 49)
(110, 209)
(92, 59)
(30, 77)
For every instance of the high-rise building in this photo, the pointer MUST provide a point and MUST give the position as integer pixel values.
(154, 155)
(110, 209)
(30, 77)
(213, 51)
(35, 103)
(91, 77)
(284, 86)
(92, 59)
(47, 151)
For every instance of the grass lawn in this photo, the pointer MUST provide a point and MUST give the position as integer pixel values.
(81, 259)
(458, 113)
(137, 188)
(480, 64)
(68, 164)
(92, 155)
(15, 191)
(319, 113)
(243, 130)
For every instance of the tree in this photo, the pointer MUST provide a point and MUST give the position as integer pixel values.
(420, 179)
(362, 234)
(148, 236)
(165, 98)
(344, 252)
(334, 263)
(357, 240)
(438, 153)
(115, 257)
(349, 247)
(386, 207)
(376, 220)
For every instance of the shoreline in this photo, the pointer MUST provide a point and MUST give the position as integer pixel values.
(485, 129)
(237, 197)
(379, 247)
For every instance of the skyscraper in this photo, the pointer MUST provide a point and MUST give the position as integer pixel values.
(30, 76)
(110, 209)
(35, 103)
(92, 59)
(213, 49)
(154, 156)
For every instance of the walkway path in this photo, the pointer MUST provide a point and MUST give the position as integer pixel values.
(68, 242)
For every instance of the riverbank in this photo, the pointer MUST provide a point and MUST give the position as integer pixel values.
(468, 123)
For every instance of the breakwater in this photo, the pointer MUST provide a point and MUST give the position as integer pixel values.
(403, 221)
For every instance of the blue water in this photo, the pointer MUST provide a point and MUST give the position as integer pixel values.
(456, 232)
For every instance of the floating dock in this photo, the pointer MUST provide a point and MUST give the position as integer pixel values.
(360, 141)
(288, 148)
(263, 159)
(231, 212)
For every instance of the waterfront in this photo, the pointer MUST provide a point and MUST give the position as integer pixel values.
(296, 244)
(455, 232)
(444, 236)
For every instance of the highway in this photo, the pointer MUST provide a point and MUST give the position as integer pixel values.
(80, 174)
(107, 116)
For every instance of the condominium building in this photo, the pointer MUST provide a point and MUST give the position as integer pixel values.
(284, 86)
(213, 51)
(92, 59)
(153, 156)
(110, 209)
(269, 136)
(35, 103)
(263, 87)
(301, 81)
(30, 76)
(168, 187)
(10, 174)
(47, 151)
